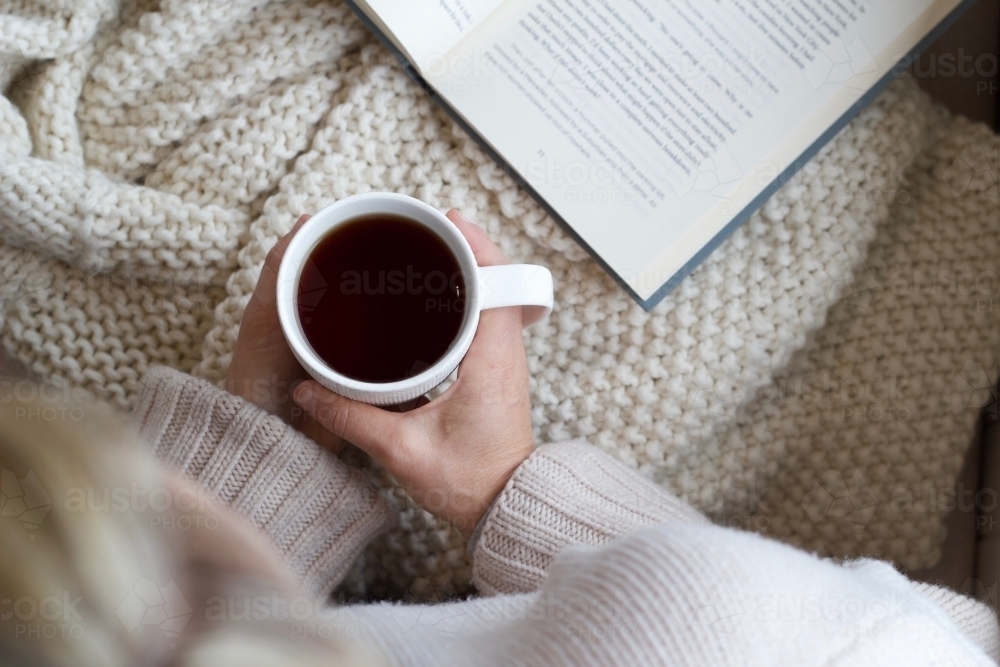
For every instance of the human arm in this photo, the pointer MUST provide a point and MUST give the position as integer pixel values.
(563, 495)
(315, 510)
(575, 496)
(251, 446)
(694, 594)
(699, 594)
(455, 455)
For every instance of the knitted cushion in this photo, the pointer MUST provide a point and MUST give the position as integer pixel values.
(152, 156)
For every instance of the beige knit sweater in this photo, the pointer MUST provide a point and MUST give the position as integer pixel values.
(580, 561)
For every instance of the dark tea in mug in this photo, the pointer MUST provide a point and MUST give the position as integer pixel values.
(381, 298)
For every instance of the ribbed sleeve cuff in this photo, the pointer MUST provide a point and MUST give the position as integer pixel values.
(564, 494)
(317, 511)
(976, 620)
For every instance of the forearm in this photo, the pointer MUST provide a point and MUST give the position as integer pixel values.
(317, 512)
(692, 594)
(562, 495)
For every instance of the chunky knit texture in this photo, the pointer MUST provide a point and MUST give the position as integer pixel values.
(152, 152)
(885, 396)
(586, 563)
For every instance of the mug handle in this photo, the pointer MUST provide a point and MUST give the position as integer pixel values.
(525, 285)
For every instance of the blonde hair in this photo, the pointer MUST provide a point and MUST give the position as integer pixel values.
(72, 581)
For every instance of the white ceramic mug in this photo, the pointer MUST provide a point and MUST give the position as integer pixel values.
(486, 287)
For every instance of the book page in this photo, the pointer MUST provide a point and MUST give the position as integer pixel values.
(636, 119)
(429, 29)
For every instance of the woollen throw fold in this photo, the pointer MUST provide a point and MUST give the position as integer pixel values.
(820, 371)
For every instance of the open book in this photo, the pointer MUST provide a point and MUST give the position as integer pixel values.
(652, 128)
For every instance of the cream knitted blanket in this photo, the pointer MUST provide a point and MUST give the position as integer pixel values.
(818, 378)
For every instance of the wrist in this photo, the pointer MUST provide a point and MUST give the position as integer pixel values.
(469, 522)
(472, 539)
(270, 394)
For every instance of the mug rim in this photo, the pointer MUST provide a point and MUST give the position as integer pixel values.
(319, 227)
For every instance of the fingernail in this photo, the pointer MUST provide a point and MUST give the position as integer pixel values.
(461, 216)
(304, 395)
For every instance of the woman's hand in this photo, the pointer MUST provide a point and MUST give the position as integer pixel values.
(454, 454)
(263, 369)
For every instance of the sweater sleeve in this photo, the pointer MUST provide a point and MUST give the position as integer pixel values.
(976, 620)
(317, 511)
(564, 494)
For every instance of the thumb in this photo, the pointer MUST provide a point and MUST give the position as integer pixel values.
(365, 426)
